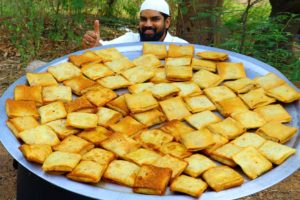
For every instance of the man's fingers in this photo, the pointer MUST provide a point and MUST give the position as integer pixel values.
(97, 27)
(90, 39)
(91, 34)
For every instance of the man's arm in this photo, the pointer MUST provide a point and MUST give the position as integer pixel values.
(92, 37)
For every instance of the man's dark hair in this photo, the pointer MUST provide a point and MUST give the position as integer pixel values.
(164, 15)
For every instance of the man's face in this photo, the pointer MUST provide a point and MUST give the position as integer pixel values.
(153, 26)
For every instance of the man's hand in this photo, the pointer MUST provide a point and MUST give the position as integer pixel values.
(91, 38)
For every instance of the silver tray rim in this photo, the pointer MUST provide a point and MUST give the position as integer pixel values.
(269, 179)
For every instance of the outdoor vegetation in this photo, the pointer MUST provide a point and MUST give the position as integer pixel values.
(46, 29)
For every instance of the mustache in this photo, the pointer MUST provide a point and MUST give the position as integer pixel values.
(148, 28)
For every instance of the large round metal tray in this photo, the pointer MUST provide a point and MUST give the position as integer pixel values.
(112, 191)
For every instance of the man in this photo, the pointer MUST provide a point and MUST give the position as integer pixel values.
(153, 26)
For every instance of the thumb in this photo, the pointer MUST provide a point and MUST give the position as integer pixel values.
(97, 28)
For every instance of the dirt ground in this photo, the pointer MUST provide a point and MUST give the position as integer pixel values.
(11, 69)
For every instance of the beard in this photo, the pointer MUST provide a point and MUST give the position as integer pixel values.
(156, 36)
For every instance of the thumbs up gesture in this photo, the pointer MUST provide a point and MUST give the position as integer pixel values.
(91, 38)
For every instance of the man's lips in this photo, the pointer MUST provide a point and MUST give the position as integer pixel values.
(148, 32)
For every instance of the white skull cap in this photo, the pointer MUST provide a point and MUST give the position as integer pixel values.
(158, 5)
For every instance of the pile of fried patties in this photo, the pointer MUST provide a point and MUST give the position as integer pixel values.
(170, 117)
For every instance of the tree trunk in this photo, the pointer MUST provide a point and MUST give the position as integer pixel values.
(287, 7)
(196, 21)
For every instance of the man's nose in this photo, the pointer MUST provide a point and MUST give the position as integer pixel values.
(148, 23)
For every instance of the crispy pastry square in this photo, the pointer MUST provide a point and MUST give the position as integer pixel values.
(241, 85)
(140, 87)
(231, 105)
(188, 185)
(176, 51)
(197, 140)
(179, 73)
(84, 58)
(199, 103)
(142, 156)
(249, 140)
(100, 96)
(95, 135)
(152, 180)
(212, 55)
(230, 70)
(275, 152)
(219, 141)
(100, 156)
(119, 104)
(175, 128)
(182, 61)
(153, 138)
(19, 124)
(150, 117)
(188, 89)
(120, 64)
(21, 108)
(197, 164)
(120, 144)
(222, 177)
(249, 119)
(64, 71)
(138, 74)
(163, 90)
(95, 71)
(224, 154)
(74, 144)
(256, 98)
(94, 87)
(82, 120)
(208, 65)
(114, 82)
(252, 162)
(61, 129)
(206, 79)
(107, 116)
(122, 172)
(87, 171)
(219, 93)
(78, 104)
(174, 108)
(202, 119)
(159, 50)
(57, 93)
(277, 132)
(284, 93)
(147, 60)
(127, 126)
(140, 102)
(175, 164)
(28, 93)
(39, 135)
(228, 128)
(159, 76)
(268, 81)
(175, 149)
(36, 152)
(61, 162)
(274, 112)
(41, 79)
(79, 83)
(109, 54)
(52, 111)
